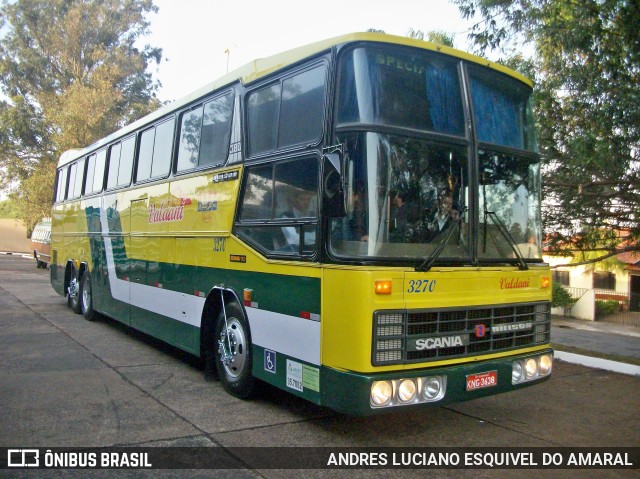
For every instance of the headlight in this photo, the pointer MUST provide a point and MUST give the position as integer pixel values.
(381, 393)
(432, 388)
(546, 363)
(407, 390)
(531, 368)
(528, 369)
(516, 372)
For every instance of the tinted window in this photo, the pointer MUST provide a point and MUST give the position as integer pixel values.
(114, 165)
(62, 184)
(302, 109)
(154, 156)
(72, 180)
(145, 154)
(163, 149)
(287, 113)
(400, 87)
(502, 111)
(77, 187)
(279, 207)
(91, 168)
(263, 110)
(98, 177)
(126, 161)
(190, 130)
(216, 131)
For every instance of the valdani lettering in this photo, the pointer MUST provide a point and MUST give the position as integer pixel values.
(514, 283)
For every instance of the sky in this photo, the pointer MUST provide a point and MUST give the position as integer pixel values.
(196, 34)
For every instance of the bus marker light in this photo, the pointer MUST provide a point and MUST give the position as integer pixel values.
(545, 282)
(383, 286)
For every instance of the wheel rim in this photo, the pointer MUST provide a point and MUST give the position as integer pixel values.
(86, 296)
(232, 348)
(73, 290)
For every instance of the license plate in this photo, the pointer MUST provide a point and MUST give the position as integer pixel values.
(482, 380)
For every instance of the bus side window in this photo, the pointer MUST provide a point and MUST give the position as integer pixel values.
(279, 207)
(190, 132)
(287, 113)
(89, 178)
(61, 189)
(216, 131)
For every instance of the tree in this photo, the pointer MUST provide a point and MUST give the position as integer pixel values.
(434, 36)
(71, 73)
(587, 102)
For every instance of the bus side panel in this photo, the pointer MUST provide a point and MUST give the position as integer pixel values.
(56, 267)
(116, 267)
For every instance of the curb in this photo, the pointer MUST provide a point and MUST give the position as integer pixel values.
(599, 363)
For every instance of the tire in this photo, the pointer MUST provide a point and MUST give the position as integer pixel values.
(73, 298)
(234, 358)
(86, 298)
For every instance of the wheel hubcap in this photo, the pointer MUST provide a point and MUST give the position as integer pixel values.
(232, 348)
(86, 297)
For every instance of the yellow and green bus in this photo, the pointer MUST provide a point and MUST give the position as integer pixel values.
(356, 222)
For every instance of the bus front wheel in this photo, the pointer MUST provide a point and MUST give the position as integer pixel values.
(234, 358)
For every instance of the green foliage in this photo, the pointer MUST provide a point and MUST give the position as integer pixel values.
(8, 210)
(587, 101)
(561, 297)
(606, 308)
(71, 73)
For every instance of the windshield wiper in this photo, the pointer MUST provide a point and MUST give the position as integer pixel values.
(522, 264)
(428, 262)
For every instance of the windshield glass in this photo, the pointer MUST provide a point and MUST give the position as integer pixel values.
(509, 187)
(415, 151)
(404, 195)
(402, 88)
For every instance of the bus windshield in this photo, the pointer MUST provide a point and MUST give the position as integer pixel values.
(414, 182)
(405, 196)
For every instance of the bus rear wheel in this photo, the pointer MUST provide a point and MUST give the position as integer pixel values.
(86, 298)
(234, 358)
(73, 298)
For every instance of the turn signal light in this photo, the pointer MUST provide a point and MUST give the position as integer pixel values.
(545, 282)
(383, 286)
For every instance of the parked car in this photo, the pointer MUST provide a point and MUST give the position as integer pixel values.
(41, 243)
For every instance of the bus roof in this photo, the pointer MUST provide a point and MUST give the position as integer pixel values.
(262, 67)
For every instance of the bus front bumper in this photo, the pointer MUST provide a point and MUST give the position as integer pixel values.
(366, 394)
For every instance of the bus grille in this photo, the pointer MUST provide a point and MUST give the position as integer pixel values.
(412, 336)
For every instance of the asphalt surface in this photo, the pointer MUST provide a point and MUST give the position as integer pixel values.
(67, 382)
(608, 339)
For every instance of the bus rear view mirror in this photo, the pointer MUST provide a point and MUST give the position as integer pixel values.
(332, 187)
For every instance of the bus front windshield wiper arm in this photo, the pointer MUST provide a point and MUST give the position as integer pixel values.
(428, 262)
(522, 264)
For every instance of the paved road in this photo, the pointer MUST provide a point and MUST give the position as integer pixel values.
(606, 343)
(67, 382)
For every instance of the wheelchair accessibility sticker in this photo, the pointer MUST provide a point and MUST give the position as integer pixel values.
(270, 361)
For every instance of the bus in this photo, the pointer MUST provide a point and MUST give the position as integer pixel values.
(356, 221)
(41, 242)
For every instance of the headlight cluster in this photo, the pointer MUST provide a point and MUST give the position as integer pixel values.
(528, 369)
(401, 392)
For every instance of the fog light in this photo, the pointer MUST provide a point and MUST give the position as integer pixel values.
(381, 392)
(432, 388)
(516, 372)
(407, 390)
(531, 368)
(546, 363)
